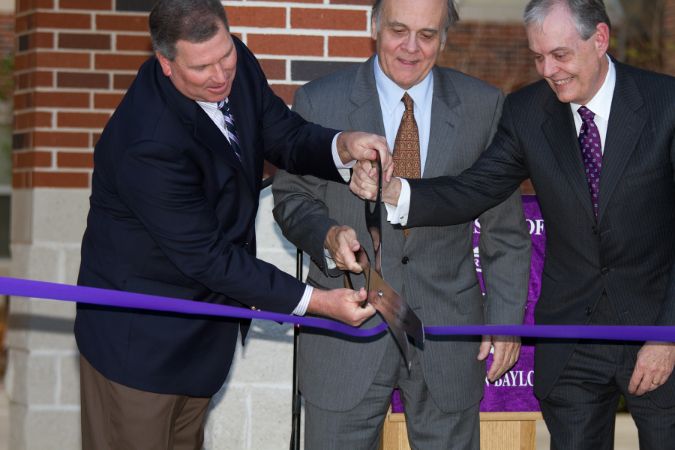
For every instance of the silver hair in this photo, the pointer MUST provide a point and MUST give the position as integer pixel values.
(451, 18)
(587, 14)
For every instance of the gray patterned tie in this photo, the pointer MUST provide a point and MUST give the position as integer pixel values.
(231, 129)
(591, 150)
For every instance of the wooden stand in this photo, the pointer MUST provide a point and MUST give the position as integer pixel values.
(498, 431)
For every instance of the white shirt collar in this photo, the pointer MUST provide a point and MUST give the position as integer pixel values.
(601, 103)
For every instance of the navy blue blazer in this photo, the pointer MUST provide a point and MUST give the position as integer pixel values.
(172, 213)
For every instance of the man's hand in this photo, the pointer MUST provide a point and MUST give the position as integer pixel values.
(655, 362)
(360, 146)
(364, 183)
(341, 304)
(507, 350)
(341, 243)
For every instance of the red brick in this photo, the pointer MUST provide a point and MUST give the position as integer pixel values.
(285, 91)
(23, 160)
(27, 5)
(118, 62)
(122, 22)
(34, 79)
(106, 100)
(92, 80)
(81, 119)
(286, 45)
(84, 41)
(75, 160)
(86, 4)
(61, 20)
(23, 100)
(275, 69)
(348, 46)
(60, 139)
(40, 40)
(60, 179)
(32, 119)
(43, 59)
(247, 16)
(329, 19)
(133, 42)
(61, 99)
(19, 180)
(351, 2)
(123, 81)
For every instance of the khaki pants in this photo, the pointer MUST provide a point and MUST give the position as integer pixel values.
(116, 417)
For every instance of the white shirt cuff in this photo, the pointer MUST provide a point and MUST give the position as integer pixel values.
(336, 157)
(398, 215)
(301, 309)
(330, 263)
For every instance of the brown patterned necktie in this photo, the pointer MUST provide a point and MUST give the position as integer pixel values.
(407, 144)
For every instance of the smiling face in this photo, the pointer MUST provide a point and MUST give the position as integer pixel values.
(574, 68)
(203, 71)
(409, 38)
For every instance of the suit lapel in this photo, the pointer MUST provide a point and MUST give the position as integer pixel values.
(560, 132)
(623, 132)
(445, 119)
(367, 113)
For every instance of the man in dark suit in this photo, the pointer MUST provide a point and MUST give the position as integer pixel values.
(174, 198)
(597, 139)
(347, 384)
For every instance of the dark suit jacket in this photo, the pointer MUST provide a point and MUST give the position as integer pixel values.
(628, 254)
(173, 213)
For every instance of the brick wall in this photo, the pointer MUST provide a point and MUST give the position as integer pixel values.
(495, 52)
(669, 38)
(75, 58)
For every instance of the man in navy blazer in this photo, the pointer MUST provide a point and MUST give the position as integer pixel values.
(610, 246)
(175, 192)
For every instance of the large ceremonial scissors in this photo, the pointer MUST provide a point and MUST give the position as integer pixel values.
(402, 320)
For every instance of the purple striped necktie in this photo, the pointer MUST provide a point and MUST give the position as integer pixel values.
(591, 151)
(231, 129)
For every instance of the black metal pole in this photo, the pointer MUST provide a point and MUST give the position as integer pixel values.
(296, 404)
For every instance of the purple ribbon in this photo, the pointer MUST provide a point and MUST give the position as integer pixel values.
(123, 299)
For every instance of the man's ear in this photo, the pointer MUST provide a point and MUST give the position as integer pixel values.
(602, 38)
(165, 63)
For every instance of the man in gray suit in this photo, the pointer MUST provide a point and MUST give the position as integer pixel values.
(609, 213)
(347, 384)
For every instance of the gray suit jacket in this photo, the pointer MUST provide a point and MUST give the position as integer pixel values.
(433, 268)
(628, 253)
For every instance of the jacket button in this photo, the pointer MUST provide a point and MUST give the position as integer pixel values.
(589, 310)
(604, 270)
(595, 230)
(405, 260)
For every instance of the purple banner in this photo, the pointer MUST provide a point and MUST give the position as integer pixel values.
(514, 390)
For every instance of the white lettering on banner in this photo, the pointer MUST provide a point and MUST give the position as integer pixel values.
(514, 378)
(536, 226)
(476, 260)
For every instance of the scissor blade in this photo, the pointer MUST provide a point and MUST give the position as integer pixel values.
(384, 297)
